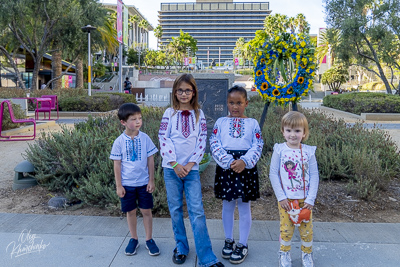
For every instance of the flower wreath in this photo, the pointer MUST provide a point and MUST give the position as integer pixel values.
(284, 68)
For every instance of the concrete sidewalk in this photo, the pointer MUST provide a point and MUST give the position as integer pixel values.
(60, 240)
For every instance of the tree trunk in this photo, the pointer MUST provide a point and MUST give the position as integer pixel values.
(56, 66)
(79, 73)
(380, 69)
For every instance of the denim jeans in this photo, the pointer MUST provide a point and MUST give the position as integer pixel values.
(191, 186)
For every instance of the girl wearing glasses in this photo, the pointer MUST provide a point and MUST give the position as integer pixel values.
(182, 136)
(236, 145)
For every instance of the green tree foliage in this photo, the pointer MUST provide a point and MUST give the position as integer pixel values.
(179, 46)
(40, 26)
(279, 24)
(99, 69)
(329, 41)
(158, 32)
(369, 31)
(151, 58)
(335, 76)
(133, 56)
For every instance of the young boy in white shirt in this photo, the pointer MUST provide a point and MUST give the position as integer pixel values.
(132, 153)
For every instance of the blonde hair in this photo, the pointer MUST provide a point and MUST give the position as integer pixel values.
(187, 78)
(294, 119)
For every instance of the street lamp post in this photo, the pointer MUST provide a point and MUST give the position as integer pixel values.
(87, 29)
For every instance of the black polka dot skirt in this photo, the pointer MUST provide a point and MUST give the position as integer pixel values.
(230, 185)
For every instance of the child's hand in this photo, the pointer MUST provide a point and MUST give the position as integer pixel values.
(238, 165)
(150, 187)
(120, 191)
(188, 167)
(180, 171)
(284, 204)
(308, 206)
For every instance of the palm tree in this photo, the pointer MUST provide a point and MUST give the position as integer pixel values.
(158, 32)
(133, 23)
(328, 43)
(143, 24)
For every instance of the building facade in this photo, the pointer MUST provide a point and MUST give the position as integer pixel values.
(137, 37)
(215, 24)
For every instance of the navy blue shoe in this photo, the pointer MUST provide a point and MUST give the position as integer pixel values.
(132, 246)
(152, 247)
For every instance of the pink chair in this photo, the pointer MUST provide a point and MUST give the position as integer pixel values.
(14, 120)
(46, 106)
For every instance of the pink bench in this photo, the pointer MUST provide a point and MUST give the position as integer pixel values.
(14, 120)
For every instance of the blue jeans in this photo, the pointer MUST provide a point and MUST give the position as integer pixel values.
(191, 185)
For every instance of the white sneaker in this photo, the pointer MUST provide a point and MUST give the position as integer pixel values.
(284, 259)
(307, 259)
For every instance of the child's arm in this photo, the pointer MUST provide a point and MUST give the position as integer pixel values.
(274, 175)
(223, 159)
(117, 175)
(254, 153)
(200, 146)
(151, 150)
(167, 148)
(314, 182)
(150, 166)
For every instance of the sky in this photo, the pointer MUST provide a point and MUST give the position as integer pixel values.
(312, 9)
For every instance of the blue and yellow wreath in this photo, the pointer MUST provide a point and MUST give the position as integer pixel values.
(284, 68)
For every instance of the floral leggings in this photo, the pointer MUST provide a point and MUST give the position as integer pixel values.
(287, 230)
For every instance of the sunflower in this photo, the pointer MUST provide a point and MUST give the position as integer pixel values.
(259, 73)
(264, 86)
(262, 60)
(289, 90)
(276, 92)
(300, 80)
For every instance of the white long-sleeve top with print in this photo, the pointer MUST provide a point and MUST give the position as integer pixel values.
(286, 173)
(230, 133)
(182, 139)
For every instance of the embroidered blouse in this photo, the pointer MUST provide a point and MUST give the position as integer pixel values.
(286, 173)
(182, 139)
(236, 134)
(133, 154)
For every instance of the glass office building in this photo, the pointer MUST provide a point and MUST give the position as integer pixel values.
(215, 24)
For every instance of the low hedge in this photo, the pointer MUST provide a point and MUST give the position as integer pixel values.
(358, 103)
(97, 103)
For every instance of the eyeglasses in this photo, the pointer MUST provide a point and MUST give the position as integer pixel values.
(187, 91)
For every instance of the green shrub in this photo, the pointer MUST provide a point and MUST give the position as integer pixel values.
(98, 102)
(76, 162)
(358, 103)
(366, 159)
(18, 114)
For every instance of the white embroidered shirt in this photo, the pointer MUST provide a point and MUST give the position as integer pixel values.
(236, 134)
(182, 139)
(133, 154)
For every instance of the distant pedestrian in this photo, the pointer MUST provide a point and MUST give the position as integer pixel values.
(111, 88)
(43, 86)
(127, 85)
(132, 153)
(294, 178)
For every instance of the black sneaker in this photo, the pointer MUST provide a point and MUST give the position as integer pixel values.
(228, 248)
(152, 247)
(239, 254)
(132, 246)
(178, 258)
